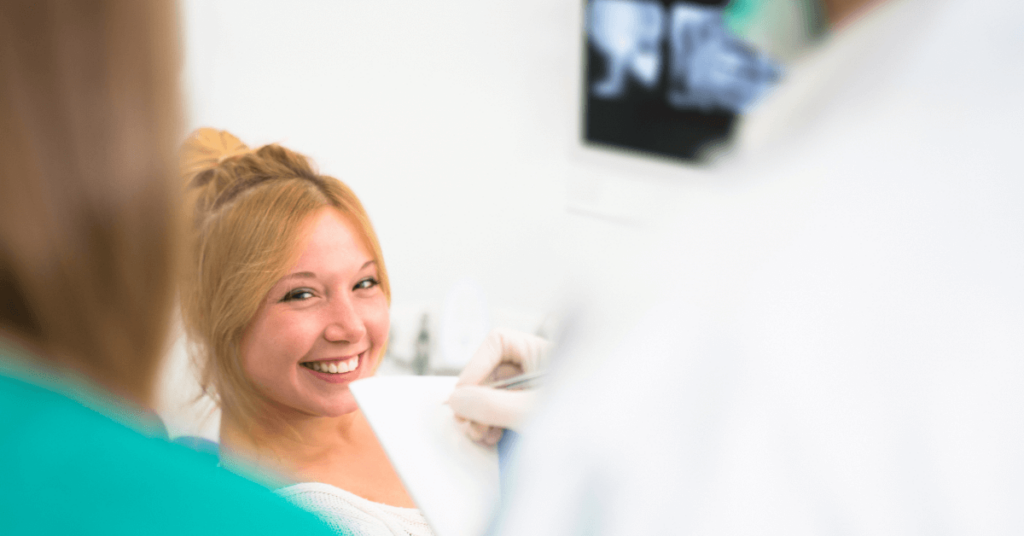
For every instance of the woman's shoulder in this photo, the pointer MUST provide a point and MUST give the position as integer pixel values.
(328, 493)
(364, 517)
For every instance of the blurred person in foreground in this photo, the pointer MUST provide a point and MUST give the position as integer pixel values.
(828, 338)
(89, 113)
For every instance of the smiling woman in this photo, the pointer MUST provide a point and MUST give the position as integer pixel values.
(286, 302)
(321, 326)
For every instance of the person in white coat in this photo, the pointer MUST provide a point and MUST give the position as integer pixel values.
(829, 339)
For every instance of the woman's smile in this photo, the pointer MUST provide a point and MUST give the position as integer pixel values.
(335, 370)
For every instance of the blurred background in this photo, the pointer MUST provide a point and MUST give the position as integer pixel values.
(458, 124)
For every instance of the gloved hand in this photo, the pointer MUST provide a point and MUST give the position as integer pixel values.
(484, 412)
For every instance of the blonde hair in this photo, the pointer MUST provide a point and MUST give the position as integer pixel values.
(248, 210)
(89, 117)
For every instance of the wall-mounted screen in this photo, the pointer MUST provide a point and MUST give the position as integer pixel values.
(671, 77)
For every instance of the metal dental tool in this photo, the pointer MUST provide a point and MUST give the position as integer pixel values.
(522, 381)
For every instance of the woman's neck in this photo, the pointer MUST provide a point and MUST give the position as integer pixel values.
(342, 451)
(283, 446)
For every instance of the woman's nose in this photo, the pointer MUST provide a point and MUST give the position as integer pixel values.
(344, 323)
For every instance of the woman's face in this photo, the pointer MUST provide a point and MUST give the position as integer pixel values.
(322, 325)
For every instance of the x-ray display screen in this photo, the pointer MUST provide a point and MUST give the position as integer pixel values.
(668, 77)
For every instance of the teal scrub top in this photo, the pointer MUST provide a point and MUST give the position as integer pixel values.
(69, 464)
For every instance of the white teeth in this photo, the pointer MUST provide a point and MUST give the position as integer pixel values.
(339, 367)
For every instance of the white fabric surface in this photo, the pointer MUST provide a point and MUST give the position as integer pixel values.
(453, 480)
(348, 513)
(834, 332)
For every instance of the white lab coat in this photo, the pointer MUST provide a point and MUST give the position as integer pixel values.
(834, 343)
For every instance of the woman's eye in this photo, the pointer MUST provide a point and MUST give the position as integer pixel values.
(298, 294)
(369, 282)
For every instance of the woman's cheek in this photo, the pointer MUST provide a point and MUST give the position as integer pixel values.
(380, 324)
(280, 332)
(287, 338)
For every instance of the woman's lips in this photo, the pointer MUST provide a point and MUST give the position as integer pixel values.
(334, 366)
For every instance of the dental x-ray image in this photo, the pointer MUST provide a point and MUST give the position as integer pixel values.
(668, 77)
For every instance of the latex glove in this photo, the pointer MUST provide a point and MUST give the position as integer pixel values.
(484, 412)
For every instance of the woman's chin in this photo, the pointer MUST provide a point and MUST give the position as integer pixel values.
(339, 408)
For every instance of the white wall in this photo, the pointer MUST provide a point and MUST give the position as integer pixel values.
(456, 123)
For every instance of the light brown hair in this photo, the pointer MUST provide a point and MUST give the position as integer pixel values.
(249, 208)
(89, 116)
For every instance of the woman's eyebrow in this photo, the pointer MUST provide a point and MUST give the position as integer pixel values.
(299, 275)
(311, 275)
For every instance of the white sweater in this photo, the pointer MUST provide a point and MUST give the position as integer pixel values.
(348, 513)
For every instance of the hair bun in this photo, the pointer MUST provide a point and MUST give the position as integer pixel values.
(207, 147)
